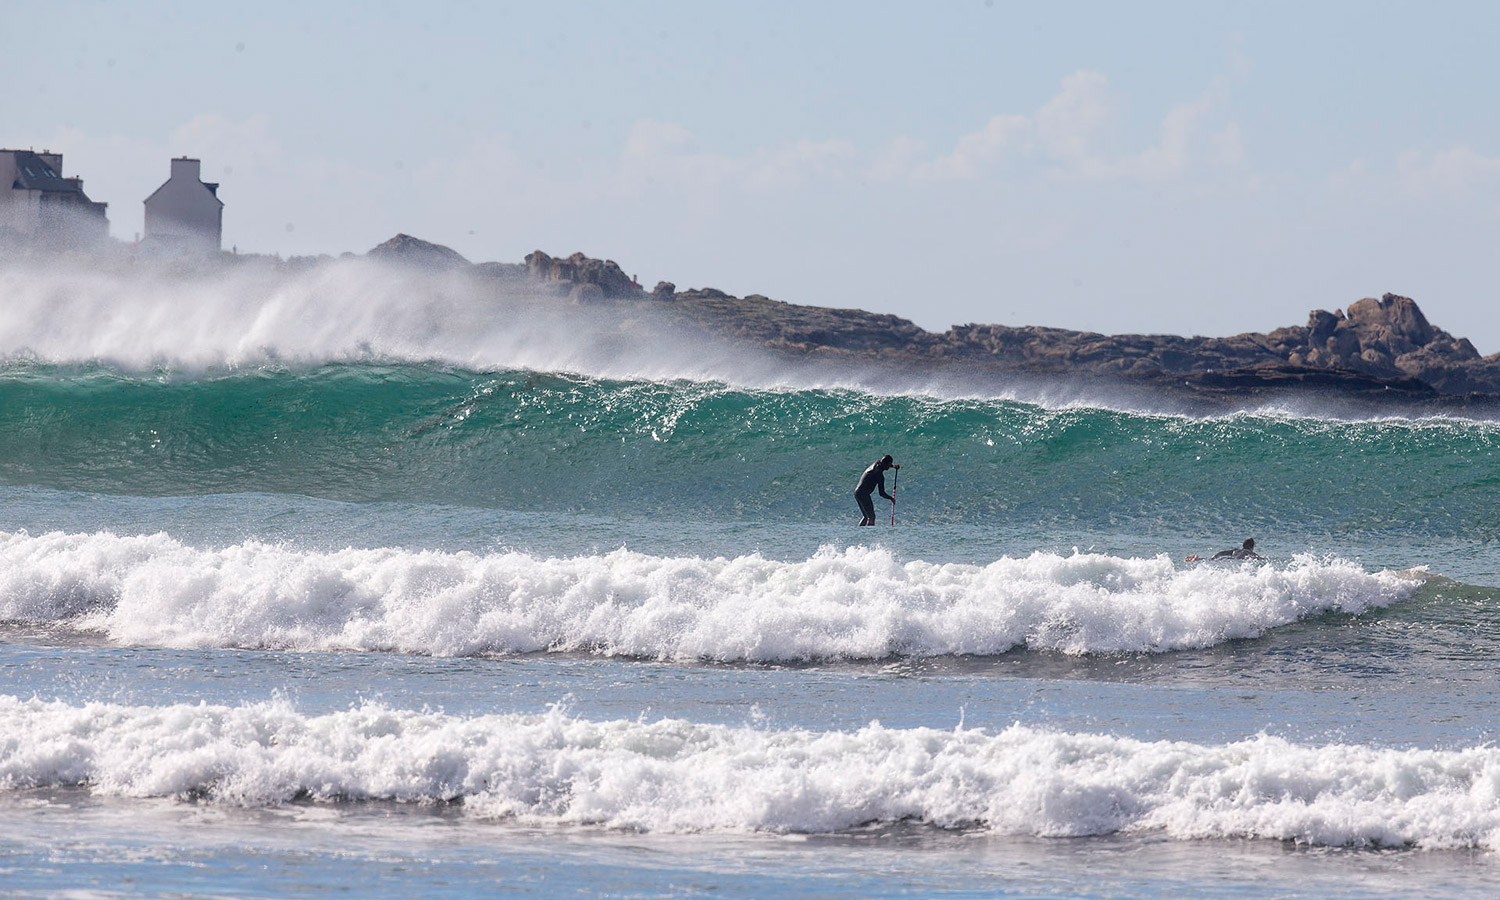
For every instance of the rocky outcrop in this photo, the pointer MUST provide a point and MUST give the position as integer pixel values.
(410, 251)
(1383, 344)
(605, 274)
(802, 329)
(1386, 339)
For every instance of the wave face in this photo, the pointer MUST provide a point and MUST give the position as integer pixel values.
(529, 441)
(858, 603)
(676, 776)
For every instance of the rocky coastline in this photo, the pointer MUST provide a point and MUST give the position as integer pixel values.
(1381, 350)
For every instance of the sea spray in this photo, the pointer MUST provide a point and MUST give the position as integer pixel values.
(247, 314)
(200, 318)
(857, 603)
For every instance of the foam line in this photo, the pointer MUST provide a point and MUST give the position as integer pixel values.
(858, 603)
(678, 776)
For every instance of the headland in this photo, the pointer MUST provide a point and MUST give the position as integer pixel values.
(1380, 351)
(1375, 356)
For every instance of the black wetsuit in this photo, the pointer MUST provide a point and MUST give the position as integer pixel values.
(872, 480)
(1237, 553)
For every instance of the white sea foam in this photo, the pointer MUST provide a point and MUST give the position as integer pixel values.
(678, 776)
(859, 603)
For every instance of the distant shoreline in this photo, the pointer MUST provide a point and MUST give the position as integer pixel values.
(1380, 354)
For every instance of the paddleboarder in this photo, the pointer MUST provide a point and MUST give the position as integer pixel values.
(871, 481)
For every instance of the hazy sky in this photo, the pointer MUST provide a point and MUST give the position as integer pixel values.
(1196, 168)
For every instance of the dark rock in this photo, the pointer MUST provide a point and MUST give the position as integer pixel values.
(1393, 324)
(605, 274)
(1266, 377)
(801, 329)
(1382, 347)
(1320, 326)
(539, 265)
(1385, 341)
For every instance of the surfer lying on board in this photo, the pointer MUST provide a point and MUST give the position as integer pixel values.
(873, 480)
(1243, 551)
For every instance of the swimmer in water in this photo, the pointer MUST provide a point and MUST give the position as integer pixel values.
(1243, 551)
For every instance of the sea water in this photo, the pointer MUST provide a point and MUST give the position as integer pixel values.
(350, 580)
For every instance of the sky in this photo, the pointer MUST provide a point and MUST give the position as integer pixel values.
(1191, 168)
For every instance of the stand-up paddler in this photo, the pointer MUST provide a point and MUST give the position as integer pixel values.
(871, 481)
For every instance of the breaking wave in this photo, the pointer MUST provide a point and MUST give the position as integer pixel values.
(678, 776)
(859, 603)
(693, 450)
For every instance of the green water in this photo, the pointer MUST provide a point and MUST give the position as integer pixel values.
(527, 441)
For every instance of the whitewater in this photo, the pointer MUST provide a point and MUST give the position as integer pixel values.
(676, 776)
(343, 577)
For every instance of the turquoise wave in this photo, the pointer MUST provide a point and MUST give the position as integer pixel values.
(524, 440)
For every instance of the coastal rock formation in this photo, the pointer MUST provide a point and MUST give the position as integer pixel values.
(407, 250)
(578, 269)
(1378, 345)
(1383, 344)
(804, 329)
(1384, 338)
(1388, 338)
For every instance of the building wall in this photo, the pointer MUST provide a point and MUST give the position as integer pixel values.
(71, 220)
(18, 209)
(184, 213)
(47, 218)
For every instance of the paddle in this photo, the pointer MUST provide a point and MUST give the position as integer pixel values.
(895, 481)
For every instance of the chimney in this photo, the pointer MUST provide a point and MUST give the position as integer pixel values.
(183, 167)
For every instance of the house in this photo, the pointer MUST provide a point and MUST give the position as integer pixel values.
(184, 214)
(39, 207)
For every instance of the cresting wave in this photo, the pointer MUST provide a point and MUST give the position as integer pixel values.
(678, 776)
(525, 441)
(860, 603)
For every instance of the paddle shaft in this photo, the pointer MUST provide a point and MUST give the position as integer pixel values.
(895, 482)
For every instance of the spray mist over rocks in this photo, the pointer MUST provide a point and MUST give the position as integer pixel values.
(193, 319)
(188, 319)
(200, 318)
(203, 319)
(207, 318)
(855, 604)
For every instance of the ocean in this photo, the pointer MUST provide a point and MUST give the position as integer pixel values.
(343, 579)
